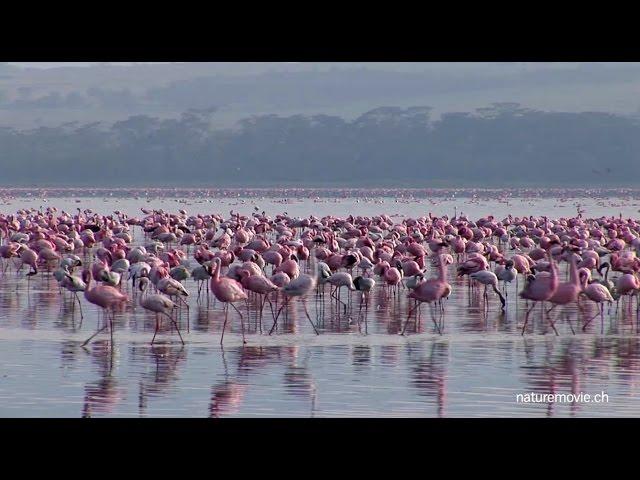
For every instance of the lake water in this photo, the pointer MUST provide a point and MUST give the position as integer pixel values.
(475, 368)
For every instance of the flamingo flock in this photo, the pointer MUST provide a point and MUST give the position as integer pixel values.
(236, 259)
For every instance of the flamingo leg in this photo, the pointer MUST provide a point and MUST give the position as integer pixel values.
(241, 321)
(275, 320)
(366, 314)
(584, 327)
(111, 326)
(304, 304)
(92, 336)
(408, 317)
(226, 315)
(433, 317)
(268, 300)
(176, 326)
(79, 305)
(156, 332)
(526, 317)
(338, 298)
(552, 322)
(570, 324)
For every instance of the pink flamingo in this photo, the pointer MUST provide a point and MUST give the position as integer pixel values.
(9, 251)
(290, 267)
(567, 292)
(628, 284)
(488, 278)
(540, 288)
(339, 280)
(392, 277)
(227, 290)
(299, 287)
(159, 304)
(598, 293)
(432, 290)
(29, 257)
(260, 285)
(104, 296)
(280, 279)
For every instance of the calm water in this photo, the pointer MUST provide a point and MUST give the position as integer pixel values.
(476, 367)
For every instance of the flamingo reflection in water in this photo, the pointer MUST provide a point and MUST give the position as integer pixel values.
(104, 395)
(168, 359)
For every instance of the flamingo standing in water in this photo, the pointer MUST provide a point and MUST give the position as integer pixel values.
(567, 292)
(74, 285)
(300, 287)
(432, 290)
(29, 257)
(506, 273)
(104, 296)
(159, 304)
(339, 280)
(488, 278)
(597, 293)
(227, 290)
(260, 285)
(364, 285)
(540, 288)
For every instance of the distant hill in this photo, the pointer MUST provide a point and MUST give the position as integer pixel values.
(503, 144)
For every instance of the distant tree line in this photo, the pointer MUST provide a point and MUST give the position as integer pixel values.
(500, 145)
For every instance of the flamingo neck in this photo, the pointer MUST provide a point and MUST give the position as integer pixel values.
(584, 280)
(573, 272)
(554, 270)
(88, 286)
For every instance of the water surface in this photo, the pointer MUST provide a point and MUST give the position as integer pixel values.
(476, 367)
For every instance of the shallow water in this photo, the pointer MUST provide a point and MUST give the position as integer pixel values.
(475, 367)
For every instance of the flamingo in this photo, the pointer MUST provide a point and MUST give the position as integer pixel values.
(506, 273)
(259, 285)
(599, 294)
(627, 284)
(201, 274)
(339, 280)
(139, 270)
(74, 285)
(432, 290)
(364, 285)
(488, 278)
(299, 287)
(605, 280)
(412, 282)
(227, 291)
(540, 288)
(104, 296)
(159, 304)
(29, 257)
(392, 276)
(173, 288)
(567, 292)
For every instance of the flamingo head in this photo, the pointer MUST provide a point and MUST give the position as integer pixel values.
(86, 275)
(143, 282)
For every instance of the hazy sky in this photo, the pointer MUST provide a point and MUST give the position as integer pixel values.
(68, 64)
(51, 93)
